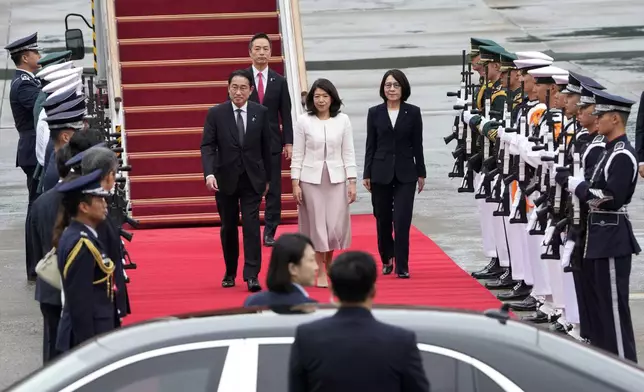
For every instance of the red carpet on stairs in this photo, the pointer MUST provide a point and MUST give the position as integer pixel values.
(180, 271)
(175, 59)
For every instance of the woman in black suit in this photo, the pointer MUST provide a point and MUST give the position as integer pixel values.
(394, 164)
(292, 268)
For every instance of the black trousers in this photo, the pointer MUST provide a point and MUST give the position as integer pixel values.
(32, 186)
(613, 330)
(273, 211)
(393, 206)
(586, 298)
(51, 318)
(228, 207)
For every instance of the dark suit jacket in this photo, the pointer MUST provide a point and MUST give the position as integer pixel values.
(269, 298)
(352, 351)
(278, 101)
(223, 156)
(639, 131)
(42, 219)
(394, 149)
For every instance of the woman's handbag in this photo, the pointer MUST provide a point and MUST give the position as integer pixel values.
(47, 269)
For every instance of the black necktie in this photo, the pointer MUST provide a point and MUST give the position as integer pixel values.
(240, 126)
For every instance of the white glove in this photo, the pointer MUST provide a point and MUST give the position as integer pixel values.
(508, 137)
(567, 253)
(500, 132)
(467, 116)
(573, 183)
(461, 101)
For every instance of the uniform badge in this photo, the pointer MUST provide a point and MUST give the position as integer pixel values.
(83, 234)
(25, 77)
(598, 139)
(619, 146)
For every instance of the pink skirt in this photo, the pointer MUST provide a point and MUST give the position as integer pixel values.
(324, 215)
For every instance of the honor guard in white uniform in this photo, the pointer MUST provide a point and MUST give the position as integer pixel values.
(610, 240)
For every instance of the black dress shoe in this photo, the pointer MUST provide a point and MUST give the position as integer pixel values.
(253, 285)
(558, 327)
(540, 317)
(269, 241)
(518, 292)
(387, 268)
(503, 282)
(491, 271)
(527, 305)
(403, 275)
(228, 281)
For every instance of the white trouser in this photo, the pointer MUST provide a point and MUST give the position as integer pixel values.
(570, 298)
(485, 218)
(555, 277)
(541, 285)
(515, 245)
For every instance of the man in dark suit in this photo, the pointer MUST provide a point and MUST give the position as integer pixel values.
(338, 353)
(271, 90)
(236, 158)
(639, 136)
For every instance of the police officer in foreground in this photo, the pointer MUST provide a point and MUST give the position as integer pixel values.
(24, 91)
(87, 273)
(610, 241)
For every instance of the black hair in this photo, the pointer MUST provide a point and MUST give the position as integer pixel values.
(68, 209)
(259, 36)
(243, 73)
(63, 155)
(353, 276)
(328, 87)
(83, 140)
(289, 248)
(402, 81)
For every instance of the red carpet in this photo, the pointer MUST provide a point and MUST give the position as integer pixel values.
(180, 271)
(175, 58)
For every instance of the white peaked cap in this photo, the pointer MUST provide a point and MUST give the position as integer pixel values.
(527, 63)
(53, 68)
(561, 79)
(77, 85)
(60, 83)
(533, 55)
(547, 72)
(63, 73)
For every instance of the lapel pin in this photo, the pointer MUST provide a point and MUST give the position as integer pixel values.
(272, 79)
(253, 120)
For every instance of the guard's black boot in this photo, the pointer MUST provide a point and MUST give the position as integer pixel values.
(491, 271)
(530, 303)
(503, 282)
(518, 292)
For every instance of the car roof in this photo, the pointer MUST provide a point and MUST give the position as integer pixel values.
(437, 326)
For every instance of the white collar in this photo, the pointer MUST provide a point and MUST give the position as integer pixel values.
(299, 287)
(243, 108)
(264, 72)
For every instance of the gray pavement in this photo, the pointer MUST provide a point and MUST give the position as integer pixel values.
(352, 43)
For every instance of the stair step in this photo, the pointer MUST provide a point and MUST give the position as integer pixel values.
(174, 7)
(192, 205)
(180, 186)
(192, 220)
(185, 48)
(194, 25)
(169, 71)
(182, 93)
(168, 140)
(166, 116)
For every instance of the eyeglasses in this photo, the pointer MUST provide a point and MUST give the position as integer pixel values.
(390, 85)
(239, 88)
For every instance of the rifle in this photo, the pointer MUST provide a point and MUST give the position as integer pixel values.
(467, 185)
(459, 129)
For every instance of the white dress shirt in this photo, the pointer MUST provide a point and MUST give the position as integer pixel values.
(264, 76)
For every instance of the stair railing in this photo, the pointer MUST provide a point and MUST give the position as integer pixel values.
(293, 49)
(109, 46)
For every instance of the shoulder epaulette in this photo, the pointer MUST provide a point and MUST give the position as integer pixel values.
(598, 139)
(500, 93)
(25, 77)
(619, 146)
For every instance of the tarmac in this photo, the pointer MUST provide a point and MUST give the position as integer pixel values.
(352, 43)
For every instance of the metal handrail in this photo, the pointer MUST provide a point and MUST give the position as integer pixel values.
(115, 92)
(294, 66)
